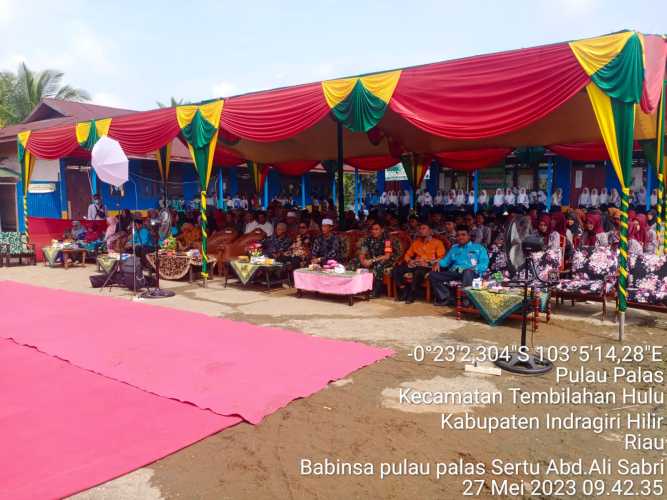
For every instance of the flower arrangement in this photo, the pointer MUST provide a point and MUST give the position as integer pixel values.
(255, 249)
(169, 243)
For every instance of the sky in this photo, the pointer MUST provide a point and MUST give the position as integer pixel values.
(132, 54)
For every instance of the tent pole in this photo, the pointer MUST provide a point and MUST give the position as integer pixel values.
(621, 325)
(475, 185)
(303, 191)
(550, 183)
(339, 165)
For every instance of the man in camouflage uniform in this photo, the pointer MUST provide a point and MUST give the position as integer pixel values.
(376, 254)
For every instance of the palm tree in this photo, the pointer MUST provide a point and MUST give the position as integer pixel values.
(173, 103)
(20, 93)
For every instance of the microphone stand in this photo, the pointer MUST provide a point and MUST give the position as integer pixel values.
(521, 361)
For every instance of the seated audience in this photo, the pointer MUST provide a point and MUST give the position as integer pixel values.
(327, 246)
(377, 253)
(420, 258)
(464, 262)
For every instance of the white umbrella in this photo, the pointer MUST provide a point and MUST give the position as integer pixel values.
(110, 162)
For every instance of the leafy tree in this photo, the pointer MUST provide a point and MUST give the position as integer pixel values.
(173, 103)
(22, 91)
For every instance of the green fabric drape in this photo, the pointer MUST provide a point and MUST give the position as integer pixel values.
(623, 77)
(360, 111)
(92, 138)
(622, 80)
(415, 167)
(258, 173)
(199, 134)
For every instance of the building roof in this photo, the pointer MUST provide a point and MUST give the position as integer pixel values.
(59, 112)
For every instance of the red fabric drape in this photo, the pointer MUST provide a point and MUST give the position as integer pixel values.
(474, 159)
(225, 158)
(655, 49)
(372, 162)
(585, 151)
(295, 167)
(275, 115)
(54, 143)
(144, 133)
(486, 96)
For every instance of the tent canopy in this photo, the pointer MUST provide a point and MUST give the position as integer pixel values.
(526, 97)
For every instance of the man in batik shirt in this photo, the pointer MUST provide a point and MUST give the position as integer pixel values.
(327, 246)
(277, 245)
(376, 254)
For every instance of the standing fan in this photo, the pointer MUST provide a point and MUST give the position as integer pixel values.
(520, 244)
(164, 227)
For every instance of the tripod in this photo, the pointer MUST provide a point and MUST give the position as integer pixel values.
(522, 361)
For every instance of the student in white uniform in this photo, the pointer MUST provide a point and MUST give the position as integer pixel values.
(523, 199)
(498, 199)
(615, 198)
(595, 198)
(585, 198)
(510, 198)
(604, 197)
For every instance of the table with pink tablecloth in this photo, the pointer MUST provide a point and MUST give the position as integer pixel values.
(347, 283)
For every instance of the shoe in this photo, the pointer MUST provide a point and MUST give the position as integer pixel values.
(440, 303)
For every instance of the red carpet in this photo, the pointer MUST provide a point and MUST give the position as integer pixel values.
(229, 367)
(64, 429)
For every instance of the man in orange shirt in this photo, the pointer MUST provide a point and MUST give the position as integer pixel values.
(422, 256)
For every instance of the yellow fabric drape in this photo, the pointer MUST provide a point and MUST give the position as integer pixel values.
(28, 160)
(381, 86)
(83, 129)
(601, 103)
(595, 53)
(164, 166)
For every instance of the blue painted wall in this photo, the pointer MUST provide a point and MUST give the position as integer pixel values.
(562, 176)
(380, 182)
(46, 204)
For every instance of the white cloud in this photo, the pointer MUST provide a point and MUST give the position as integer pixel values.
(8, 9)
(107, 99)
(224, 89)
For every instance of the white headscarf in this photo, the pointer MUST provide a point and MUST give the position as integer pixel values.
(483, 197)
(615, 198)
(510, 198)
(471, 197)
(523, 198)
(585, 198)
(604, 196)
(460, 198)
(498, 198)
(595, 199)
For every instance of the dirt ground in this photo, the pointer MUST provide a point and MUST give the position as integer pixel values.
(359, 419)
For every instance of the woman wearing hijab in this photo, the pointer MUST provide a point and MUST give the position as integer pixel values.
(585, 199)
(636, 234)
(557, 198)
(615, 198)
(498, 199)
(654, 198)
(541, 199)
(604, 198)
(595, 198)
(510, 198)
(114, 237)
(523, 199)
(460, 199)
(610, 237)
(483, 199)
(592, 228)
(471, 198)
(550, 237)
(652, 242)
(574, 229)
(450, 200)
